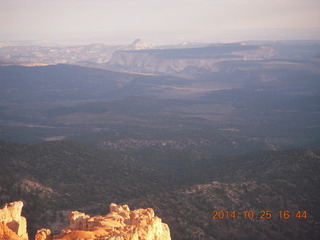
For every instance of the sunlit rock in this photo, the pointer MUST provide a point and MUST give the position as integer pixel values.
(13, 225)
(120, 224)
(43, 234)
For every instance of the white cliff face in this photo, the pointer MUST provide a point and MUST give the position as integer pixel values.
(159, 62)
(10, 216)
(144, 62)
(120, 224)
(261, 53)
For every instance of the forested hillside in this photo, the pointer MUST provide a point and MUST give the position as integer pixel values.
(57, 177)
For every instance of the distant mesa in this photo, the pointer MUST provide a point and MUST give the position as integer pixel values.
(184, 58)
(120, 223)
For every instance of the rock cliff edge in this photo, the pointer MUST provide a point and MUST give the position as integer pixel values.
(120, 224)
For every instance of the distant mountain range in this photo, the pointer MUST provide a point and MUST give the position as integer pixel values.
(43, 53)
(143, 57)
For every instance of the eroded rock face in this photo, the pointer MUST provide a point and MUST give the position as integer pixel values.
(13, 225)
(120, 224)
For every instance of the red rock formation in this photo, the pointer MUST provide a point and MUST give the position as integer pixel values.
(120, 223)
(12, 225)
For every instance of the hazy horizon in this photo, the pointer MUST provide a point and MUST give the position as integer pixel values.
(163, 38)
(158, 22)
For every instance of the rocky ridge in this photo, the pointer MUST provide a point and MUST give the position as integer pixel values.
(120, 224)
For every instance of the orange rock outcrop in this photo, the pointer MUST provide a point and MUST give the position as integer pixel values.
(120, 224)
(12, 225)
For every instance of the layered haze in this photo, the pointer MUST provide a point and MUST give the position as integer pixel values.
(159, 22)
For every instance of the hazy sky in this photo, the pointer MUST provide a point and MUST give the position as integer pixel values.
(155, 19)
